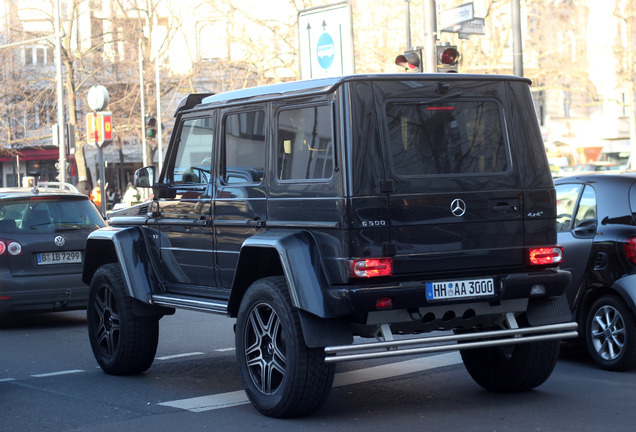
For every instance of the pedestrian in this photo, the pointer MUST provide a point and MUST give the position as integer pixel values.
(131, 196)
(96, 195)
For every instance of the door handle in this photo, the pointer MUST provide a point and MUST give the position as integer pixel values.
(505, 208)
(256, 223)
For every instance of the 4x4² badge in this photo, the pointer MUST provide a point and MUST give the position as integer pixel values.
(458, 207)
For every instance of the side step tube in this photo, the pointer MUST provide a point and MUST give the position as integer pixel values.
(391, 348)
(196, 304)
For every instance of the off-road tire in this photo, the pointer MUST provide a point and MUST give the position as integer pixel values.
(610, 334)
(122, 343)
(512, 368)
(281, 375)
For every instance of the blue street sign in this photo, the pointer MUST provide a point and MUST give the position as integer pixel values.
(325, 50)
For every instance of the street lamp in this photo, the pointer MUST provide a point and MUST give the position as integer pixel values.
(60, 94)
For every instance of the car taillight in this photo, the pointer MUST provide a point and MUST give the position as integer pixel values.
(630, 249)
(545, 255)
(371, 267)
(10, 246)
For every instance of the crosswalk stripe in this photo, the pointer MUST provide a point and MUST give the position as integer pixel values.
(230, 399)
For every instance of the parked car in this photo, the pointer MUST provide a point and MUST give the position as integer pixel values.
(597, 229)
(42, 242)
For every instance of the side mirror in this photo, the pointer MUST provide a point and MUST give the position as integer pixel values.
(144, 177)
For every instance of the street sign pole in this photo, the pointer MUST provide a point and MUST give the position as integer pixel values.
(430, 37)
(60, 94)
(102, 179)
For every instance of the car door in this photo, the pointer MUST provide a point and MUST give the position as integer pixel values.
(184, 217)
(240, 205)
(576, 228)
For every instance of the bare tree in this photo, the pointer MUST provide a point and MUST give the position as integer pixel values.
(625, 13)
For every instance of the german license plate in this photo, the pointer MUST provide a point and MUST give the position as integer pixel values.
(68, 257)
(460, 289)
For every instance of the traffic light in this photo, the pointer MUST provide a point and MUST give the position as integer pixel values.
(151, 127)
(411, 60)
(447, 58)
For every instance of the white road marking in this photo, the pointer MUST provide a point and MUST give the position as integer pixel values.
(50, 374)
(170, 357)
(7, 379)
(225, 400)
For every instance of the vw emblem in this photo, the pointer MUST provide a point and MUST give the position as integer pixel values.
(59, 241)
(458, 207)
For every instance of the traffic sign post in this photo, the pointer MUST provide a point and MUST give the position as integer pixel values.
(99, 131)
(99, 128)
(325, 35)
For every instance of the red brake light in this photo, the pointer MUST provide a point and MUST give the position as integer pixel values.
(371, 267)
(630, 249)
(545, 255)
(2, 247)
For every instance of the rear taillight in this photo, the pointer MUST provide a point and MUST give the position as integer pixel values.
(371, 267)
(545, 255)
(630, 249)
(10, 246)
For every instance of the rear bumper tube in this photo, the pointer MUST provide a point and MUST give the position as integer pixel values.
(456, 342)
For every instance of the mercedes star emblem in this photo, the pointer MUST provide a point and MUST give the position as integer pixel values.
(458, 207)
(59, 241)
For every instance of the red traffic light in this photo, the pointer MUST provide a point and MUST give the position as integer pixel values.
(410, 60)
(449, 56)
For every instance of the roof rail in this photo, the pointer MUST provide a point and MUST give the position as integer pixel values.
(190, 101)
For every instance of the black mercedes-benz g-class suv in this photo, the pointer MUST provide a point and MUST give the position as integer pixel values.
(316, 211)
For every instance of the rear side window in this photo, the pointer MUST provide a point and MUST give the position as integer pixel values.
(244, 147)
(49, 216)
(305, 143)
(450, 137)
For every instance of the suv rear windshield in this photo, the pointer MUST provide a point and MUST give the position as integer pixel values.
(450, 137)
(48, 215)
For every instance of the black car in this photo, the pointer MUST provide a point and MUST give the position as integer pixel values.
(597, 228)
(43, 235)
(316, 211)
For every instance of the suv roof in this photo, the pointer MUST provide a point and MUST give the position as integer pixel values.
(326, 85)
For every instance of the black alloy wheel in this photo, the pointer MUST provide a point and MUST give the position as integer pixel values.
(122, 342)
(281, 375)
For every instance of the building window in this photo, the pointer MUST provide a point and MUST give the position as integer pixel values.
(38, 55)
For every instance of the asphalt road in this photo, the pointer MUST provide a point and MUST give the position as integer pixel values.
(49, 381)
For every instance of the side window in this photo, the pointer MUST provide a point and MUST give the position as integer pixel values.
(244, 147)
(567, 195)
(305, 143)
(192, 164)
(587, 206)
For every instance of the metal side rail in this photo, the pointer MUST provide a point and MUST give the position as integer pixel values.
(191, 303)
(431, 344)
